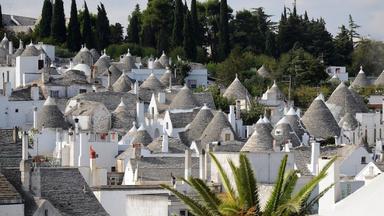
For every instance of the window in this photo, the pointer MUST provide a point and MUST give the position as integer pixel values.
(54, 94)
(17, 110)
(277, 132)
(227, 137)
(183, 213)
(82, 91)
(363, 160)
(166, 126)
(192, 84)
(40, 64)
(46, 212)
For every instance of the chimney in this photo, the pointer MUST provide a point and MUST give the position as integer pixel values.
(140, 112)
(207, 163)
(76, 126)
(10, 48)
(70, 64)
(92, 166)
(161, 97)
(3, 80)
(164, 143)
(25, 175)
(232, 117)
(202, 167)
(35, 92)
(136, 88)
(24, 149)
(188, 164)
(35, 117)
(328, 200)
(238, 109)
(36, 182)
(137, 150)
(7, 86)
(382, 107)
(276, 147)
(15, 134)
(109, 80)
(315, 154)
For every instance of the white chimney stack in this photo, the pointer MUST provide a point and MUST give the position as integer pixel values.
(232, 117)
(140, 112)
(188, 164)
(315, 154)
(25, 146)
(202, 173)
(10, 48)
(35, 117)
(165, 142)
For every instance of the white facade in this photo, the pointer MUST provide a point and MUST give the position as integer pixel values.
(369, 172)
(12, 210)
(371, 126)
(340, 72)
(26, 66)
(11, 71)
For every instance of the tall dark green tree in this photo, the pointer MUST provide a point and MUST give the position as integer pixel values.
(177, 31)
(343, 47)
(58, 31)
(353, 28)
(189, 42)
(46, 20)
(74, 35)
(116, 35)
(195, 23)
(162, 41)
(102, 27)
(134, 27)
(1, 19)
(270, 44)
(224, 47)
(88, 38)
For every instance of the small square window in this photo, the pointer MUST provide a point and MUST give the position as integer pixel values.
(363, 160)
(227, 137)
(17, 110)
(82, 91)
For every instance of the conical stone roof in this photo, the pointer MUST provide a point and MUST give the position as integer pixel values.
(348, 122)
(123, 84)
(359, 100)
(95, 54)
(152, 83)
(361, 80)
(128, 61)
(295, 122)
(263, 72)
(102, 64)
(83, 56)
(115, 73)
(166, 77)
(261, 139)
(342, 101)
(319, 121)
(121, 117)
(197, 126)
(380, 80)
(164, 60)
(212, 132)
(49, 116)
(184, 99)
(283, 132)
(236, 90)
(142, 136)
(30, 50)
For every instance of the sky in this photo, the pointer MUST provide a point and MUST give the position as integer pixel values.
(369, 14)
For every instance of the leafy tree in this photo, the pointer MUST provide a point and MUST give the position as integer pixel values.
(58, 30)
(224, 47)
(116, 35)
(270, 44)
(88, 38)
(242, 197)
(189, 43)
(177, 32)
(182, 70)
(253, 114)
(102, 28)
(134, 27)
(343, 47)
(1, 20)
(369, 54)
(302, 66)
(74, 35)
(162, 41)
(212, 25)
(46, 20)
(353, 28)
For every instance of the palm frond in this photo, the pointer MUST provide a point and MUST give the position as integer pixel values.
(306, 208)
(249, 184)
(211, 201)
(274, 199)
(224, 178)
(195, 206)
(290, 181)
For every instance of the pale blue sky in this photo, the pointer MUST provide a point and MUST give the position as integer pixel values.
(367, 13)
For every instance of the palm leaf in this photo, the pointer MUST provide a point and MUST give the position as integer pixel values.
(249, 184)
(289, 185)
(305, 209)
(195, 206)
(211, 201)
(224, 178)
(274, 199)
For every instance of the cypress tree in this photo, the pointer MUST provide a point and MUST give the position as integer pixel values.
(223, 34)
(74, 35)
(58, 31)
(195, 23)
(87, 28)
(188, 43)
(46, 20)
(162, 41)
(102, 27)
(177, 33)
(270, 44)
(133, 31)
